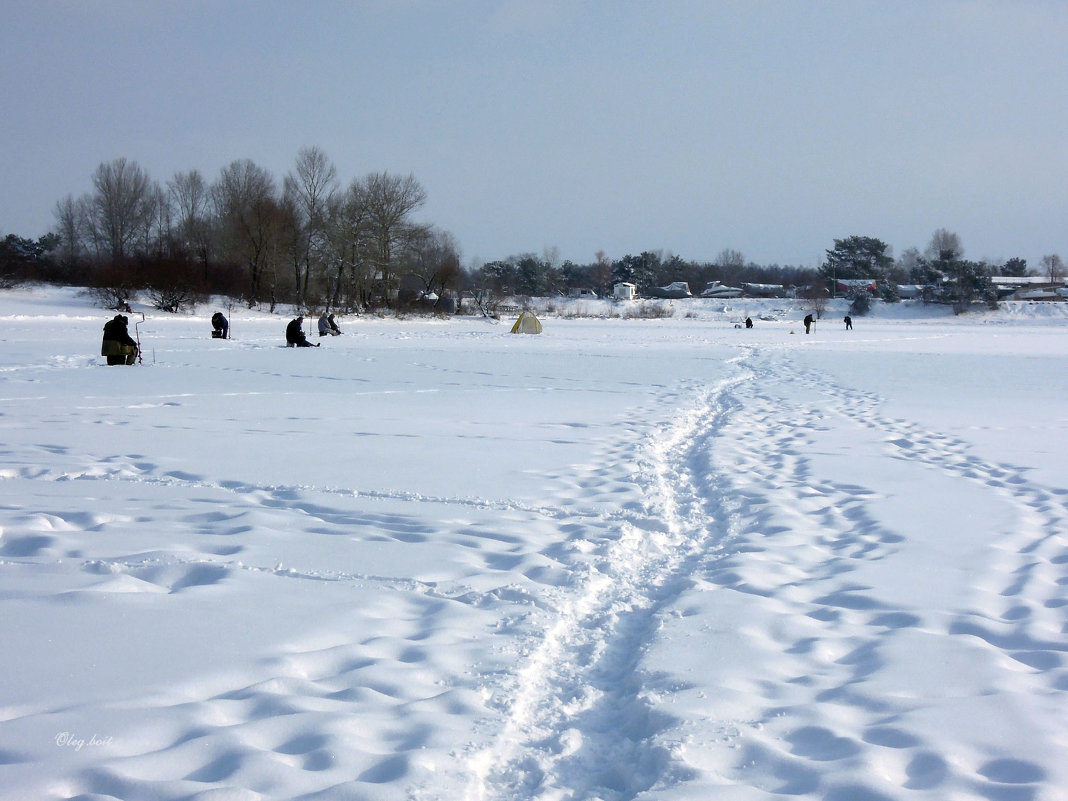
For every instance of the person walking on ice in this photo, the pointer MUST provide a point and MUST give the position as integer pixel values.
(848, 322)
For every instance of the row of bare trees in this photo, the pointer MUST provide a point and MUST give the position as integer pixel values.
(310, 241)
(313, 242)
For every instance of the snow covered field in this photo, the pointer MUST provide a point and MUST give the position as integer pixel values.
(625, 559)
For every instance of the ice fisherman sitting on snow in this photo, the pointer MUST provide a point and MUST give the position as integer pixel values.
(328, 326)
(295, 335)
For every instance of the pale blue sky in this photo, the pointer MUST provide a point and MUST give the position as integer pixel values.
(771, 128)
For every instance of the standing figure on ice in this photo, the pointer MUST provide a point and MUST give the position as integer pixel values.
(118, 345)
(295, 335)
(849, 322)
(808, 323)
(220, 326)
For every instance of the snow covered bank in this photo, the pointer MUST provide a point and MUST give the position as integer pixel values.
(623, 559)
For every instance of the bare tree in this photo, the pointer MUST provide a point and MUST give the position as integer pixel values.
(552, 281)
(120, 206)
(191, 202)
(944, 245)
(70, 217)
(390, 201)
(245, 202)
(346, 242)
(730, 259)
(309, 191)
(434, 260)
(292, 247)
(158, 230)
(816, 298)
(730, 263)
(907, 265)
(1053, 267)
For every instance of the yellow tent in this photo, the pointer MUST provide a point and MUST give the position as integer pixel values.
(527, 324)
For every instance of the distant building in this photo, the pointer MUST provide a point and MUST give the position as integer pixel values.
(1027, 287)
(1039, 292)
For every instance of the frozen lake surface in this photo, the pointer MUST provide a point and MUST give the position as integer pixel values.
(624, 559)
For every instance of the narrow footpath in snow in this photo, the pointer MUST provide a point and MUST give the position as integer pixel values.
(578, 724)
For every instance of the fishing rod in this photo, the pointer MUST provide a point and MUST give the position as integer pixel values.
(137, 333)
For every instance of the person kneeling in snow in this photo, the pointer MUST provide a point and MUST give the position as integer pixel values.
(295, 335)
(118, 345)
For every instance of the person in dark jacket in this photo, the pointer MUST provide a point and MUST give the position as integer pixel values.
(849, 322)
(295, 335)
(118, 346)
(808, 323)
(220, 326)
(748, 322)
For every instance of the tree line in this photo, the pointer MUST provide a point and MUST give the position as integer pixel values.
(531, 274)
(940, 273)
(307, 241)
(312, 242)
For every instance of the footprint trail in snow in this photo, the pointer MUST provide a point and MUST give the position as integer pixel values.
(577, 724)
(772, 535)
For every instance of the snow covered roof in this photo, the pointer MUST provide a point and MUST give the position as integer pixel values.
(1020, 280)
